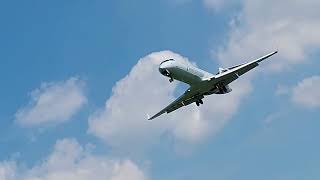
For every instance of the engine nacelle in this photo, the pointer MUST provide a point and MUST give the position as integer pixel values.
(223, 89)
(219, 90)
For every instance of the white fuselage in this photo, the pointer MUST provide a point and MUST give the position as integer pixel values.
(183, 72)
(195, 77)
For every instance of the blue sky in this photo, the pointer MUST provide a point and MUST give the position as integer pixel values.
(78, 78)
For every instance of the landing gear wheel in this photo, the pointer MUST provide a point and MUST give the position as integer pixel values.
(171, 80)
(200, 101)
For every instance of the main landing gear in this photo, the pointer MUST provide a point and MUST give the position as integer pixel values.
(198, 102)
(171, 80)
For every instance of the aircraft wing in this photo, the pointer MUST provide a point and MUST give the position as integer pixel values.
(234, 72)
(188, 97)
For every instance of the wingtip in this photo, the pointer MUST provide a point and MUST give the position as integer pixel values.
(272, 53)
(148, 117)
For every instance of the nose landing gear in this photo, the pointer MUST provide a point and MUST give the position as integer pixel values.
(167, 73)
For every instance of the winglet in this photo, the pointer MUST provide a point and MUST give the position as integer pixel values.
(148, 116)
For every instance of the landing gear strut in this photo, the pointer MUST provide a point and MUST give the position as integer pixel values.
(171, 80)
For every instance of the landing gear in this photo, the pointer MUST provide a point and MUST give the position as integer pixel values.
(171, 80)
(199, 102)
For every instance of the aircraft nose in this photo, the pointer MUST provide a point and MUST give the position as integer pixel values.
(167, 64)
(162, 71)
(164, 68)
(164, 65)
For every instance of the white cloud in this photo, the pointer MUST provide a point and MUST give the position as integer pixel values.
(53, 103)
(306, 93)
(71, 161)
(7, 170)
(292, 27)
(123, 123)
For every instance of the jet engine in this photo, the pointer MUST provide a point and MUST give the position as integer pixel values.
(223, 89)
(219, 89)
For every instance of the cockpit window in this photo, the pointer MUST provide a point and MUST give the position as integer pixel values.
(167, 61)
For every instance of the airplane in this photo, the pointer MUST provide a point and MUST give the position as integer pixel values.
(201, 83)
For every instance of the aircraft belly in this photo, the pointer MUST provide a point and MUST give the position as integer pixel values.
(206, 87)
(185, 76)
